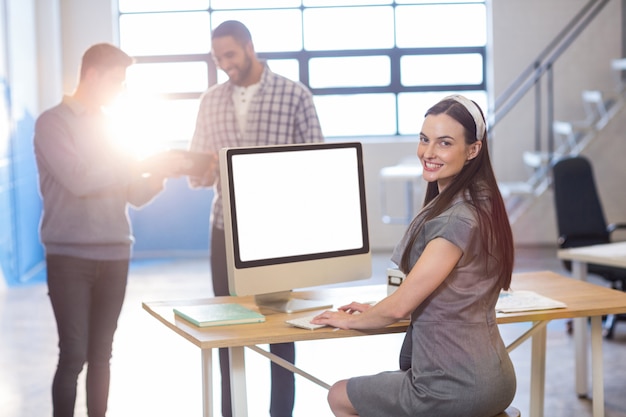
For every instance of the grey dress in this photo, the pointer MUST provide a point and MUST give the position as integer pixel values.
(455, 362)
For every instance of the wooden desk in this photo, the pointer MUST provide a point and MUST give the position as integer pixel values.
(583, 300)
(612, 254)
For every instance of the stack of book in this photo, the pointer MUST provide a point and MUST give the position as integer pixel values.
(205, 315)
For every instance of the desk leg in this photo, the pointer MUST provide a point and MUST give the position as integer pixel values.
(579, 271)
(238, 391)
(207, 383)
(538, 373)
(597, 366)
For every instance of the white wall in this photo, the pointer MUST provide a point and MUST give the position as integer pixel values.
(64, 30)
(84, 23)
(49, 65)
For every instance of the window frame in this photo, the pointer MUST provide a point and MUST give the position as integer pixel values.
(304, 56)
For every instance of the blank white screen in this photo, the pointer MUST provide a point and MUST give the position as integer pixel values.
(294, 203)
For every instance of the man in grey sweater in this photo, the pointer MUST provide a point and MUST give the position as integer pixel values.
(87, 184)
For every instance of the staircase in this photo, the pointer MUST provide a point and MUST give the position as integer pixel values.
(570, 139)
(564, 138)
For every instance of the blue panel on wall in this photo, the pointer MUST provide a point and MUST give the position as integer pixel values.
(8, 258)
(176, 222)
(8, 265)
(21, 254)
(27, 203)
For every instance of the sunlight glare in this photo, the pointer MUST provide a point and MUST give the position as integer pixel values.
(143, 125)
(133, 126)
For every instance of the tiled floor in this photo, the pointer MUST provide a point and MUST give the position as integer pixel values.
(156, 373)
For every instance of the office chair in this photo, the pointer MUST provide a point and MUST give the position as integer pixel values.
(581, 221)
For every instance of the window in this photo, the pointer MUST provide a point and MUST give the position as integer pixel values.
(373, 65)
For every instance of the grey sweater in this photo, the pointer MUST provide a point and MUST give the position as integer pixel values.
(86, 185)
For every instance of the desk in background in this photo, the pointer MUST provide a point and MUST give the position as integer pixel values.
(611, 254)
(583, 300)
(407, 173)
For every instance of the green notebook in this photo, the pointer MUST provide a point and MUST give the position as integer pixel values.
(218, 314)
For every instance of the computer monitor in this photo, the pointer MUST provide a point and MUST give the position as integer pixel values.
(295, 217)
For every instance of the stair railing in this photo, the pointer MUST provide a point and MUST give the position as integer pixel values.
(542, 65)
(531, 79)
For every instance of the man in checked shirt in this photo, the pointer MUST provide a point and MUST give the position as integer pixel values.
(254, 107)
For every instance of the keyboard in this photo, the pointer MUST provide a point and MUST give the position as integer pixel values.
(305, 322)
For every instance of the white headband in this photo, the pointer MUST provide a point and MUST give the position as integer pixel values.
(473, 109)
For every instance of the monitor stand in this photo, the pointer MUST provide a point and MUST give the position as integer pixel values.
(285, 303)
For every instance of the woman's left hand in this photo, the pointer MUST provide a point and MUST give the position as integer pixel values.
(355, 307)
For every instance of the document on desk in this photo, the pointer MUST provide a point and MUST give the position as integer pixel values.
(514, 301)
(206, 315)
